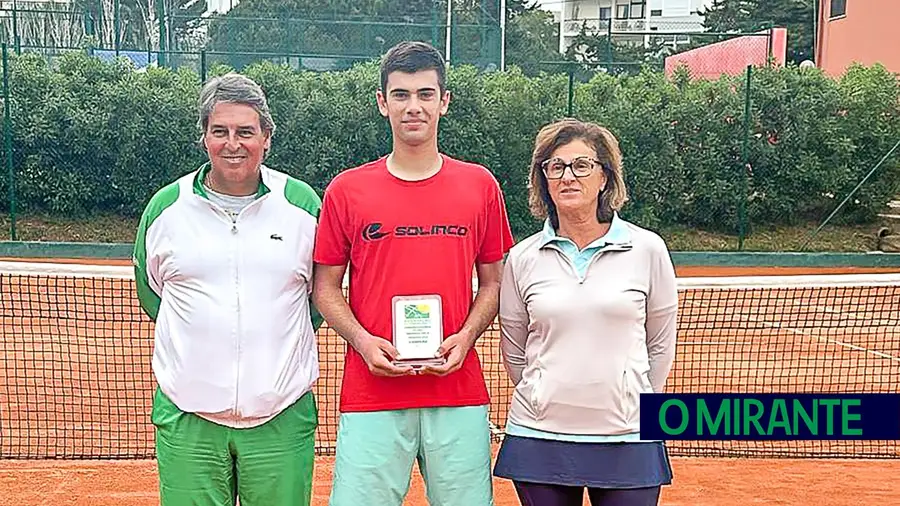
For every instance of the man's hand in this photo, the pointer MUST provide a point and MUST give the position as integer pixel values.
(378, 354)
(454, 350)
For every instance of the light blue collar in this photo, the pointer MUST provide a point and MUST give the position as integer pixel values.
(618, 234)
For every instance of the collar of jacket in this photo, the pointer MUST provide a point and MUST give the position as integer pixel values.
(200, 190)
(617, 235)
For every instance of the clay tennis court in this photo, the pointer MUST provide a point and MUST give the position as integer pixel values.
(75, 394)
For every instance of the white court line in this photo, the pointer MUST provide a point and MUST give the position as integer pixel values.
(60, 489)
(711, 343)
(789, 281)
(122, 495)
(807, 334)
(67, 270)
(848, 314)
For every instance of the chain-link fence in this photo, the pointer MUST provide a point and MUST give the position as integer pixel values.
(168, 33)
(60, 133)
(54, 26)
(465, 32)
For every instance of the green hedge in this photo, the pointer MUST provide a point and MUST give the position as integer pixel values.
(94, 137)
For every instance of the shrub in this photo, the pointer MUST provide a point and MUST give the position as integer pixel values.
(94, 137)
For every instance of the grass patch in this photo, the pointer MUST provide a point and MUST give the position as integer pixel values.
(101, 228)
(836, 238)
(833, 238)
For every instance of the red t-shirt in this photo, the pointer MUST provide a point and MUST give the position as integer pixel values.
(411, 238)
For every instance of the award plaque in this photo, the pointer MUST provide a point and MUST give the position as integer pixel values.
(418, 329)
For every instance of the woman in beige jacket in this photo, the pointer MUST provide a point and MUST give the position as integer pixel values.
(588, 321)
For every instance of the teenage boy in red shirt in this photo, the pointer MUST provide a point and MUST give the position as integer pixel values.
(413, 223)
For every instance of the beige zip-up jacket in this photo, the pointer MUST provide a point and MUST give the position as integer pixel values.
(581, 350)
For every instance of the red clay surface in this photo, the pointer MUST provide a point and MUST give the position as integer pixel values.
(697, 482)
(77, 384)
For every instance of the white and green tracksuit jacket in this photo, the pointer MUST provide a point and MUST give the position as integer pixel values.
(234, 335)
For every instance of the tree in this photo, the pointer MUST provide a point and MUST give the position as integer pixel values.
(532, 37)
(620, 57)
(136, 22)
(345, 31)
(352, 29)
(50, 24)
(754, 15)
(37, 27)
(183, 19)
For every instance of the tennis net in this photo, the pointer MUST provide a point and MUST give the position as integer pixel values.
(77, 384)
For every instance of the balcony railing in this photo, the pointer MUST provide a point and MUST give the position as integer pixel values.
(573, 26)
(629, 25)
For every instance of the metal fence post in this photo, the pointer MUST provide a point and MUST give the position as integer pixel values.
(609, 48)
(435, 33)
(116, 26)
(7, 144)
(163, 37)
(88, 23)
(90, 30)
(745, 166)
(15, 28)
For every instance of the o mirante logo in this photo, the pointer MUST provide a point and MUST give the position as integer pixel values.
(770, 416)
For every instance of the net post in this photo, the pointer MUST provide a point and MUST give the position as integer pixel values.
(745, 164)
(7, 144)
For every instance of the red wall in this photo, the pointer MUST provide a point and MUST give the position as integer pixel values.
(730, 56)
(869, 33)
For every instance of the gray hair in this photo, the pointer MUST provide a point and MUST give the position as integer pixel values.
(238, 89)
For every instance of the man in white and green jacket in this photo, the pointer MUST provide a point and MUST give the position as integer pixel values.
(223, 264)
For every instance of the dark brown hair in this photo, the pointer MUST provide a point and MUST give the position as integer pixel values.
(411, 57)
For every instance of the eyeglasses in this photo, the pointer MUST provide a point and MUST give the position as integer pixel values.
(582, 166)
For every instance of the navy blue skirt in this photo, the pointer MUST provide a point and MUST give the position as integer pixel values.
(594, 465)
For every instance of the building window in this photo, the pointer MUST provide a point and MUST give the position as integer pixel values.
(838, 8)
(605, 12)
(621, 11)
(656, 13)
(637, 10)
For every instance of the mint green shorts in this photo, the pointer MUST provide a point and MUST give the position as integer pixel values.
(376, 450)
(206, 464)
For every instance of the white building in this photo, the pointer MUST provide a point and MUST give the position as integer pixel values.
(636, 16)
(219, 6)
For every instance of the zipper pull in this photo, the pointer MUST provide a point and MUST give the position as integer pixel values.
(234, 228)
